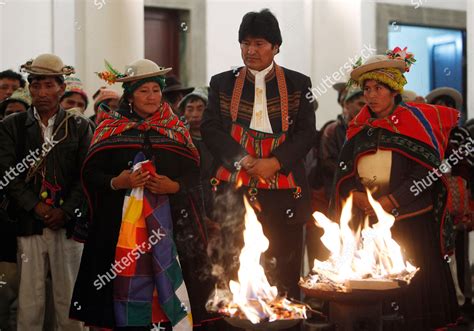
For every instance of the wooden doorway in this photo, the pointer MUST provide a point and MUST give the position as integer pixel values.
(162, 37)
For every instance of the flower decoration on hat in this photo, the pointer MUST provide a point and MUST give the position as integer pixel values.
(401, 54)
(110, 75)
(353, 82)
(388, 68)
(357, 63)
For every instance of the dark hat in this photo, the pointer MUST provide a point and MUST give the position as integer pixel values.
(339, 87)
(446, 91)
(174, 85)
(200, 92)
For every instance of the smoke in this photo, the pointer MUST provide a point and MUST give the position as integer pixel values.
(226, 241)
(189, 232)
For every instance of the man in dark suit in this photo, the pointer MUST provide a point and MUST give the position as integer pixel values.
(259, 126)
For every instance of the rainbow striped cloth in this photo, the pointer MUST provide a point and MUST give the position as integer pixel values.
(150, 288)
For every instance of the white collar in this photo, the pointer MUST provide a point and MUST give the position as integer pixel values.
(264, 71)
(38, 117)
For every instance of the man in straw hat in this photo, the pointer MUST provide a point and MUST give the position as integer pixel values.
(41, 152)
(265, 100)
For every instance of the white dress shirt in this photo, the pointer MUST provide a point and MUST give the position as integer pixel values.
(47, 130)
(260, 120)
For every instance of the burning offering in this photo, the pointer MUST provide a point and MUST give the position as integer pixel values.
(367, 259)
(252, 299)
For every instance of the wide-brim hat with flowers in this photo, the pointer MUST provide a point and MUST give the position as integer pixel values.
(387, 68)
(47, 65)
(137, 70)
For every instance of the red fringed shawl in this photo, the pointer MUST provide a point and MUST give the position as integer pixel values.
(164, 121)
(429, 124)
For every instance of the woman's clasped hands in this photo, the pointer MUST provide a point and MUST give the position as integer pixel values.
(157, 184)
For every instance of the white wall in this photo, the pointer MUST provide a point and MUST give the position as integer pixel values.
(31, 27)
(82, 33)
(25, 33)
(64, 24)
(114, 31)
(337, 31)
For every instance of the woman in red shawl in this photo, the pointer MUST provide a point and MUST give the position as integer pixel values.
(393, 149)
(118, 287)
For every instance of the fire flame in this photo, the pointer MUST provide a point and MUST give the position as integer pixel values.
(253, 294)
(371, 252)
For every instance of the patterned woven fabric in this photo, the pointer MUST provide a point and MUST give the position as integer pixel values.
(259, 145)
(458, 197)
(164, 121)
(151, 287)
(429, 124)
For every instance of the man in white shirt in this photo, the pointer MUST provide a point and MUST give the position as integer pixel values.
(41, 152)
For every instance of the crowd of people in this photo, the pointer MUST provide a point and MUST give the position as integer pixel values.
(106, 221)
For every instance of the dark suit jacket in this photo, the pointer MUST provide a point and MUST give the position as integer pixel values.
(63, 164)
(217, 123)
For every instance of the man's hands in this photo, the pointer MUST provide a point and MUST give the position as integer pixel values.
(41, 209)
(265, 169)
(248, 162)
(53, 218)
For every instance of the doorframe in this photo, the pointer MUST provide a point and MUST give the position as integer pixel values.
(386, 14)
(422, 16)
(193, 71)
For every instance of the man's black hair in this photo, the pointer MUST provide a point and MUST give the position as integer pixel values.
(261, 24)
(10, 74)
